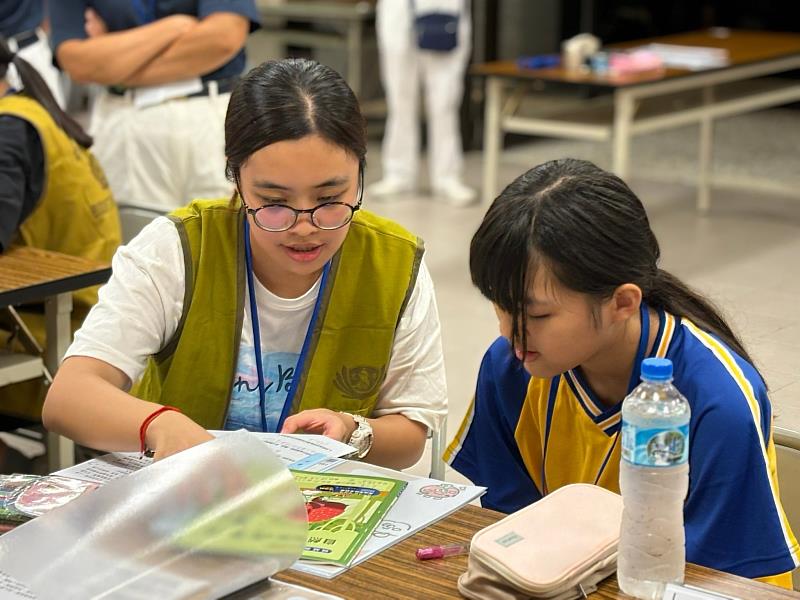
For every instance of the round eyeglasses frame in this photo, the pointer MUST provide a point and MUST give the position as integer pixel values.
(309, 211)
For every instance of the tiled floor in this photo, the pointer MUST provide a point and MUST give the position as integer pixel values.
(745, 254)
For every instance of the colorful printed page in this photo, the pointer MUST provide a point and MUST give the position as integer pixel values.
(343, 510)
(422, 503)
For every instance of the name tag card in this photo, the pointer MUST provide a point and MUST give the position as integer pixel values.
(688, 592)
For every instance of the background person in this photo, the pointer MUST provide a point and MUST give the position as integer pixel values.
(167, 69)
(403, 68)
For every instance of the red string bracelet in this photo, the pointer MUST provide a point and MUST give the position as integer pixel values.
(146, 423)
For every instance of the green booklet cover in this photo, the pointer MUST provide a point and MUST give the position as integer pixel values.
(343, 510)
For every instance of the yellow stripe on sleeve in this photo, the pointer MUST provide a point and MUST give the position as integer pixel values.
(726, 358)
(455, 446)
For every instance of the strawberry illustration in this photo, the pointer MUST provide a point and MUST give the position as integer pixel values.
(319, 509)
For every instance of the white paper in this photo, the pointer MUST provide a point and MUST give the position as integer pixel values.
(106, 468)
(280, 590)
(156, 94)
(307, 448)
(309, 452)
(693, 58)
(12, 589)
(423, 502)
(673, 591)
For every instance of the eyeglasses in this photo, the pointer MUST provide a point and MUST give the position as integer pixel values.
(328, 216)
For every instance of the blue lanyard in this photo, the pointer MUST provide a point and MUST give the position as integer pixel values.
(644, 336)
(262, 392)
(145, 10)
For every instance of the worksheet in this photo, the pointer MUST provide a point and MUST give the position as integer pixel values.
(304, 452)
(422, 503)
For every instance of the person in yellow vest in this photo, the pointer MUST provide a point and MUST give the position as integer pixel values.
(53, 195)
(285, 308)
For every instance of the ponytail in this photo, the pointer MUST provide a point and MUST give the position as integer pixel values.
(35, 87)
(592, 232)
(672, 295)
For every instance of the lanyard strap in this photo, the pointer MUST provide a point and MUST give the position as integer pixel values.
(644, 336)
(251, 290)
(145, 10)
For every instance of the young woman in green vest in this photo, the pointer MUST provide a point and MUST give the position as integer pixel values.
(53, 196)
(337, 300)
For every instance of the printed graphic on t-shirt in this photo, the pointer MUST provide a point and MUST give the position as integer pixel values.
(245, 406)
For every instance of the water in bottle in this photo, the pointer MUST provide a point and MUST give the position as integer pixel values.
(654, 478)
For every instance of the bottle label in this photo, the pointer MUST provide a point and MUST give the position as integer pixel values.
(655, 447)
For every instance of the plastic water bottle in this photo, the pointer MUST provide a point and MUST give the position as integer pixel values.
(654, 478)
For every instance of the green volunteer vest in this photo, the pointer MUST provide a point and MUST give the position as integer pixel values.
(369, 284)
(76, 213)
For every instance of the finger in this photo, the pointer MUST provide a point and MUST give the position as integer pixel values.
(290, 425)
(334, 430)
(306, 420)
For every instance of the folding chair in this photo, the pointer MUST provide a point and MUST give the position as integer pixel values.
(133, 217)
(438, 443)
(787, 448)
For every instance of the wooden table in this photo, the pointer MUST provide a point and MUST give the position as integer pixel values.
(397, 574)
(684, 97)
(30, 275)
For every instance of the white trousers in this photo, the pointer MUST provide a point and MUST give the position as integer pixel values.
(162, 156)
(403, 68)
(39, 56)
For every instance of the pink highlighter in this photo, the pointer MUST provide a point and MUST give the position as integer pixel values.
(441, 551)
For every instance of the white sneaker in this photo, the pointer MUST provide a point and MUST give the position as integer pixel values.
(455, 193)
(385, 188)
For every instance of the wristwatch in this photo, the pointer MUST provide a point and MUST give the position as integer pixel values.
(361, 439)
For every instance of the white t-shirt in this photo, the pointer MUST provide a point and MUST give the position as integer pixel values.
(141, 305)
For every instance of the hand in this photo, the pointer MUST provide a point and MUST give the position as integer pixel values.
(171, 431)
(94, 24)
(336, 425)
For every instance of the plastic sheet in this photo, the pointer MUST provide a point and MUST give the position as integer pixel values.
(199, 524)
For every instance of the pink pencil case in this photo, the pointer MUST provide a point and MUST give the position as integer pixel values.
(560, 547)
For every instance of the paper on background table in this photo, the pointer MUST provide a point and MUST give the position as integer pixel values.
(693, 58)
(167, 531)
(422, 503)
(289, 448)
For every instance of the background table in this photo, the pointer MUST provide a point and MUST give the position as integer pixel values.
(397, 574)
(29, 275)
(354, 16)
(685, 97)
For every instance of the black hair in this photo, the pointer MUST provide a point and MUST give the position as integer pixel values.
(592, 233)
(35, 87)
(288, 100)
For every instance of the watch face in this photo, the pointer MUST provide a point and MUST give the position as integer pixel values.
(362, 438)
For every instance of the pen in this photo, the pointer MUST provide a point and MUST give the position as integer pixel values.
(442, 551)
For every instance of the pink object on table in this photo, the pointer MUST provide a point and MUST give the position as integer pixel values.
(441, 551)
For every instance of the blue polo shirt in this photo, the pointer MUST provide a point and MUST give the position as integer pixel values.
(733, 517)
(67, 21)
(18, 16)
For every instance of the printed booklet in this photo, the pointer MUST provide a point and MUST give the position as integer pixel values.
(343, 510)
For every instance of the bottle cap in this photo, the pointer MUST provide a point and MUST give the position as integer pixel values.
(657, 369)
